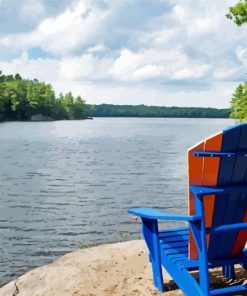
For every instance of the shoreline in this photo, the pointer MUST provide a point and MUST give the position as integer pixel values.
(113, 269)
(114, 117)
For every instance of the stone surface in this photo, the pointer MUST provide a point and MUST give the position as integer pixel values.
(40, 117)
(115, 269)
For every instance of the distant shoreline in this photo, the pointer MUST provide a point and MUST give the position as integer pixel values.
(135, 111)
(137, 117)
(91, 118)
(110, 110)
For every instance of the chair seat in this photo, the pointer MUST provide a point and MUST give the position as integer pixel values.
(174, 245)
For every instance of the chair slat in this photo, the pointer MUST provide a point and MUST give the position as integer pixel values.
(183, 237)
(183, 249)
(173, 233)
(174, 245)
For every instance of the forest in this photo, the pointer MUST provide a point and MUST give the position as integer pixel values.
(20, 99)
(108, 110)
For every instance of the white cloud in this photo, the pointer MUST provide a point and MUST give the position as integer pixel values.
(160, 37)
(43, 69)
(242, 55)
(70, 18)
(198, 17)
(223, 73)
(86, 67)
(69, 75)
(95, 93)
(169, 64)
(119, 50)
(62, 34)
(179, 13)
(148, 71)
(125, 65)
(30, 10)
(192, 72)
(97, 48)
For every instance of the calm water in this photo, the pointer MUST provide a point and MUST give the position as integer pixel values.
(68, 183)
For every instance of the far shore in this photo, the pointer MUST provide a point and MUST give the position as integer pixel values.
(114, 117)
(114, 269)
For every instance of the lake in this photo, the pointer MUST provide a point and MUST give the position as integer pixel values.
(66, 184)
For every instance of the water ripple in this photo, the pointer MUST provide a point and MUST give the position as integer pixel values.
(71, 182)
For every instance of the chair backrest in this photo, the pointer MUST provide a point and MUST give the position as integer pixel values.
(227, 170)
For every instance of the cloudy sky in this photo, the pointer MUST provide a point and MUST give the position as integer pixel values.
(154, 52)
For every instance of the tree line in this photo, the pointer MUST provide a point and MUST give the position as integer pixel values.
(238, 14)
(20, 99)
(109, 110)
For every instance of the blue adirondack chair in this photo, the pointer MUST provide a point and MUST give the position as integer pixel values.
(217, 222)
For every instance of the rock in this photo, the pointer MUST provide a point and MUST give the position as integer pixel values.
(82, 273)
(41, 117)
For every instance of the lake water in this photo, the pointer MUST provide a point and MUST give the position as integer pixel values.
(69, 183)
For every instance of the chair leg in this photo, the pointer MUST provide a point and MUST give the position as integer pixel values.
(151, 235)
(157, 275)
(199, 233)
(229, 271)
(204, 279)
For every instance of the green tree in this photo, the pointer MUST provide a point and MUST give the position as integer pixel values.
(238, 13)
(239, 103)
(2, 101)
(68, 102)
(59, 112)
(89, 110)
(20, 99)
(15, 93)
(79, 108)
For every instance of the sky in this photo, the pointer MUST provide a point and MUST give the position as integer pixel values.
(153, 52)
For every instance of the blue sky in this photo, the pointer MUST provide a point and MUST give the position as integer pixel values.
(154, 52)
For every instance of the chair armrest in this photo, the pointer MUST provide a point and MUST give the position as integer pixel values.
(203, 191)
(150, 213)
